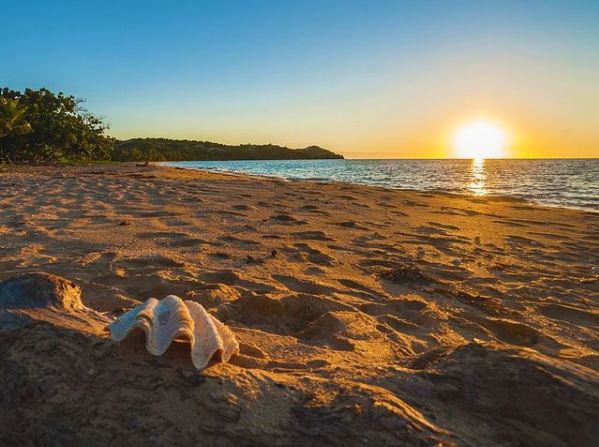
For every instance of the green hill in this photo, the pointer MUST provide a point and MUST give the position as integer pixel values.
(163, 149)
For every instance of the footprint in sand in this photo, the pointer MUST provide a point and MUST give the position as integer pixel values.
(352, 224)
(233, 278)
(311, 235)
(570, 314)
(511, 332)
(305, 252)
(310, 318)
(304, 286)
(286, 219)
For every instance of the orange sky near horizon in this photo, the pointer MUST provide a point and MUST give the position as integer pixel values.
(547, 112)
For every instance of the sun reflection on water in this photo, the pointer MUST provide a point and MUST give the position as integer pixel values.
(477, 183)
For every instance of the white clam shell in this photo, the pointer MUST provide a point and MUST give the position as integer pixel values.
(171, 318)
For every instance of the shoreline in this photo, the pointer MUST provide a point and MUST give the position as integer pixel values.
(393, 317)
(499, 197)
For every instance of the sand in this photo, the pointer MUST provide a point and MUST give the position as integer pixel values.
(364, 315)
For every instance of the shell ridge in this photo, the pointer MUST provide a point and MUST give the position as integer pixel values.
(230, 344)
(208, 340)
(122, 326)
(170, 319)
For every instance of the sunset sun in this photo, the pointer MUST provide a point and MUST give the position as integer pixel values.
(480, 138)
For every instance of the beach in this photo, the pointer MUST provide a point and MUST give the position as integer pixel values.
(364, 315)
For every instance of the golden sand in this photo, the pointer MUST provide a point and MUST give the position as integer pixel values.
(363, 314)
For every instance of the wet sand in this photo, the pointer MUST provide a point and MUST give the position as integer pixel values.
(364, 315)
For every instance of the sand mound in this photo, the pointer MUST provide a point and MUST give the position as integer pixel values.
(213, 295)
(40, 290)
(354, 325)
(33, 297)
(536, 400)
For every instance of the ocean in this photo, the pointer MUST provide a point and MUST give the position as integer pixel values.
(572, 183)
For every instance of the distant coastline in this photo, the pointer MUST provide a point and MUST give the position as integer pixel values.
(164, 149)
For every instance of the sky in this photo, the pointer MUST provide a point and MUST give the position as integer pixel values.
(367, 79)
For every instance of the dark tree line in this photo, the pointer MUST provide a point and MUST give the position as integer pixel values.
(38, 126)
(162, 149)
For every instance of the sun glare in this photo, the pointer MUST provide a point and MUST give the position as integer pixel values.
(480, 139)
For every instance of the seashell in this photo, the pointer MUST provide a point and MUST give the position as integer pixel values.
(171, 318)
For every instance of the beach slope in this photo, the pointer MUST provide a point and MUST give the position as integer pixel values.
(364, 315)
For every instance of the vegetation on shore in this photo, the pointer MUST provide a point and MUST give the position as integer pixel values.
(39, 127)
(162, 149)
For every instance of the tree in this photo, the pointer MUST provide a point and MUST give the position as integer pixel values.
(12, 118)
(61, 130)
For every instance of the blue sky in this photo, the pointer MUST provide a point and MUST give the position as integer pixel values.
(365, 78)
